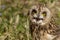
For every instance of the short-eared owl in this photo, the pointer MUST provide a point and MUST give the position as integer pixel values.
(42, 26)
(40, 15)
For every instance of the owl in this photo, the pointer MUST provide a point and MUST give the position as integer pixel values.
(41, 23)
(40, 15)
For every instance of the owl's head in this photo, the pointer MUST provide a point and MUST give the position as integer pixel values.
(39, 15)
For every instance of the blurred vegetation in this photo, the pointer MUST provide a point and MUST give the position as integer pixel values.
(14, 23)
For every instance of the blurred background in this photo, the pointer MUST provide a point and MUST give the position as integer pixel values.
(14, 23)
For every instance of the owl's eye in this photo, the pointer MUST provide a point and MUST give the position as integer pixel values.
(44, 14)
(34, 11)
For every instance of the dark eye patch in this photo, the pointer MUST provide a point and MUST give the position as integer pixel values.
(34, 11)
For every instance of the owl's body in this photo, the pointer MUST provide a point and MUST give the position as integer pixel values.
(42, 24)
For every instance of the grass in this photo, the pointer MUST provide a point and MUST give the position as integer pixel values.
(14, 20)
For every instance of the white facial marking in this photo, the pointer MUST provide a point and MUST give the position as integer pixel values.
(39, 21)
(41, 16)
(34, 20)
(35, 15)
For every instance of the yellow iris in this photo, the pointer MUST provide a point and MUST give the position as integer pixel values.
(44, 14)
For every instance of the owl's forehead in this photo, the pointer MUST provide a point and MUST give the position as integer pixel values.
(41, 8)
(38, 8)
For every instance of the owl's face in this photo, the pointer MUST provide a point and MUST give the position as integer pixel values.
(39, 15)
